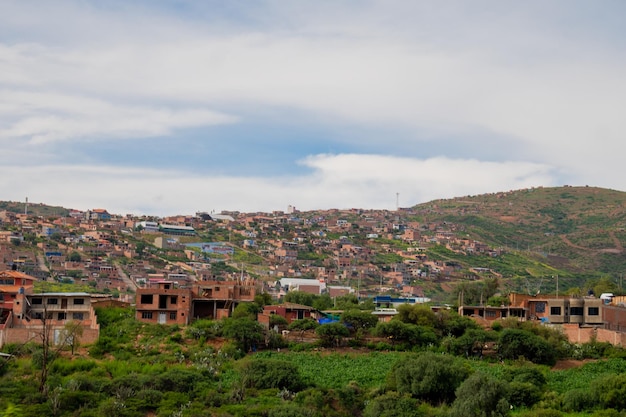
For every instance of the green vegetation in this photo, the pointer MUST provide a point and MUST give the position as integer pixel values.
(137, 369)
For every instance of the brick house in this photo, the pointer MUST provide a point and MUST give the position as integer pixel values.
(163, 303)
(31, 313)
(218, 299)
(289, 311)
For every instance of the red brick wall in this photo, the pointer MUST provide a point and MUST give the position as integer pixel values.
(577, 334)
(611, 336)
(614, 317)
(23, 335)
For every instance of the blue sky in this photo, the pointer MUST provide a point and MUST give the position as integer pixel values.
(171, 107)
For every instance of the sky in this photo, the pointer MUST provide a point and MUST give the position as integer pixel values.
(172, 107)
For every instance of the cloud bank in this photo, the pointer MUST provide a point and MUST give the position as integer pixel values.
(455, 99)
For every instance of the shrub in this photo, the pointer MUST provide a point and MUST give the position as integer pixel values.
(291, 410)
(523, 394)
(515, 343)
(542, 412)
(272, 373)
(332, 333)
(611, 391)
(579, 400)
(429, 377)
(480, 395)
(392, 404)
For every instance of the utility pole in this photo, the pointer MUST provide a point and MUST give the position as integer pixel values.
(557, 286)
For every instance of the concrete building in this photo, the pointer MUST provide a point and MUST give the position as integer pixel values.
(218, 299)
(33, 314)
(163, 303)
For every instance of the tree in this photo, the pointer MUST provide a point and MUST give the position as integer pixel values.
(416, 314)
(277, 320)
(299, 297)
(481, 395)
(249, 310)
(263, 299)
(323, 302)
(515, 343)
(359, 320)
(397, 331)
(346, 302)
(74, 257)
(303, 325)
(475, 293)
(472, 342)
(332, 333)
(72, 332)
(450, 323)
(140, 248)
(244, 331)
(429, 377)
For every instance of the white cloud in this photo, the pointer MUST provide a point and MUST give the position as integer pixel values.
(44, 117)
(519, 74)
(363, 181)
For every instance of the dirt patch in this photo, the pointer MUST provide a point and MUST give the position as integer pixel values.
(570, 363)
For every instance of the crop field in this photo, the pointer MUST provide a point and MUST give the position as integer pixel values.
(336, 370)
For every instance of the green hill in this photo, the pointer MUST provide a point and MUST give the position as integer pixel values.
(574, 232)
(35, 209)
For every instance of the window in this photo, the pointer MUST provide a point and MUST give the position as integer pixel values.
(37, 301)
(555, 311)
(79, 301)
(78, 316)
(576, 311)
(173, 315)
(594, 311)
(490, 313)
(174, 300)
(540, 308)
(53, 301)
(62, 316)
(146, 314)
(7, 281)
(38, 316)
(146, 299)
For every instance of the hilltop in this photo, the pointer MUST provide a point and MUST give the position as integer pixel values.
(582, 228)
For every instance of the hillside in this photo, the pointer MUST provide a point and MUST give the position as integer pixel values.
(577, 231)
(529, 238)
(35, 209)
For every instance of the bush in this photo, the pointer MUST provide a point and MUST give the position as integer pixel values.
(607, 413)
(611, 391)
(272, 373)
(545, 412)
(392, 404)
(291, 410)
(579, 400)
(481, 395)
(332, 333)
(429, 377)
(515, 343)
(523, 394)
